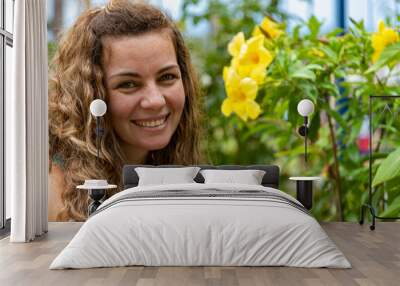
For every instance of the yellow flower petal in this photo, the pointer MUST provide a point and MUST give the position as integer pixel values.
(240, 109)
(271, 28)
(383, 38)
(227, 107)
(390, 36)
(254, 44)
(265, 57)
(256, 32)
(235, 44)
(258, 74)
(253, 109)
(231, 79)
(243, 70)
(253, 53)
(381, 26)
(375, 56)
(268, 23)
(248, 88)
(317, 53)
(225, 73)
(377, 42)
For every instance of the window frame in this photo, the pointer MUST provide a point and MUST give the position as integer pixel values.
(6, 39)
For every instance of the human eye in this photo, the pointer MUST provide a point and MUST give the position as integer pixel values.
(127, 85)
(168, 77)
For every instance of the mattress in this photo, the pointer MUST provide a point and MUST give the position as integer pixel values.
(201, 225)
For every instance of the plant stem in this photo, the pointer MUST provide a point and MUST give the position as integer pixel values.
(378, 145)
(382, 132)
(336, 166)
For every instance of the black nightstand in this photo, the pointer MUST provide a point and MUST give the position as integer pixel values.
(97, 190)
(304, 190)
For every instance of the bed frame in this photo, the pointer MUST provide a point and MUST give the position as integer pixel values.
(270, 179)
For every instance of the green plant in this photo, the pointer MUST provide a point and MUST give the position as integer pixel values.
(335, 70)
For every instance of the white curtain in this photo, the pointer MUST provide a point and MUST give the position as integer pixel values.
(26, 123)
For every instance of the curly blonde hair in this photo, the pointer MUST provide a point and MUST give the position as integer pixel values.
(77, 79)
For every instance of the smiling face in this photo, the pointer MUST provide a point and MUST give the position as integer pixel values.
(145, 91)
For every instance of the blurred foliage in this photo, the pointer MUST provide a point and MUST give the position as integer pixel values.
(335, 71)
(51, 50)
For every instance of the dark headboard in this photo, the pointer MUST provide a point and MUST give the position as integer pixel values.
(270, 179)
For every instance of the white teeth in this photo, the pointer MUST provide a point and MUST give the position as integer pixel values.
(150, 123)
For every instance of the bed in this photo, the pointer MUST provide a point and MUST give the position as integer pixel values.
(201, 224)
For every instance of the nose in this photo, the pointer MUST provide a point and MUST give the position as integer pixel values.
(153, 98)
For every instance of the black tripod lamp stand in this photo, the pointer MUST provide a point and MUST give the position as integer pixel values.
(369, 206)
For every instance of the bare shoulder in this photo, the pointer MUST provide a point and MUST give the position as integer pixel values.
(56, 187)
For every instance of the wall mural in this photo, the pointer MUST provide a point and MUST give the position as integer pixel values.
(252, 71)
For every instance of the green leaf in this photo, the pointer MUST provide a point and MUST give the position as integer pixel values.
(393, 209)
(296, 32)
(358, 25)
(330, 53)
(331, 87)
(298, 70)
(314, 26)
(315, 124)
(293, 115)
(392, 186)
(256, 129)
(334, 32)
(388, 169)
(355, 130)
(339, 119)
(339, 73)
(315, 67)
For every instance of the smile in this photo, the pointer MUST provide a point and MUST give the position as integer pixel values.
(153, 123)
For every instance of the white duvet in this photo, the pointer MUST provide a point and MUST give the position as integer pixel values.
(183, 231)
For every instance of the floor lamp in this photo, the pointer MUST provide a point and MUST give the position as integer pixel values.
(369, 205)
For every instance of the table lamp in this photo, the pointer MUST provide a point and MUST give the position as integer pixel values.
(98, 108)
(305, 108)
(96, 188)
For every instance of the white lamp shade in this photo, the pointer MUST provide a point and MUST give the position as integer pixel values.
(305, 107)
(98, 107)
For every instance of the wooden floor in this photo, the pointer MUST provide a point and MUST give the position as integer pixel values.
(374, 255)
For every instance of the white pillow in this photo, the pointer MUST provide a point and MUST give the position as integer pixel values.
(162, 176)
(249, 177)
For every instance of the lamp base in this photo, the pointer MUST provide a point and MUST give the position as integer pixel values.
(374, 216)
(96, 195)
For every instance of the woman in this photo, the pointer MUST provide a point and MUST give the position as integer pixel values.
(134, 58)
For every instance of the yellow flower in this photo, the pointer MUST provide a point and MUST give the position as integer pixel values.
(236, 44)
(241, 95)
(317, 53)
(253, 56)
(257, 73)
(381, 39)
(268, 26)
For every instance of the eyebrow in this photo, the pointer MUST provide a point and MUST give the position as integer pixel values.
(135, 74)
